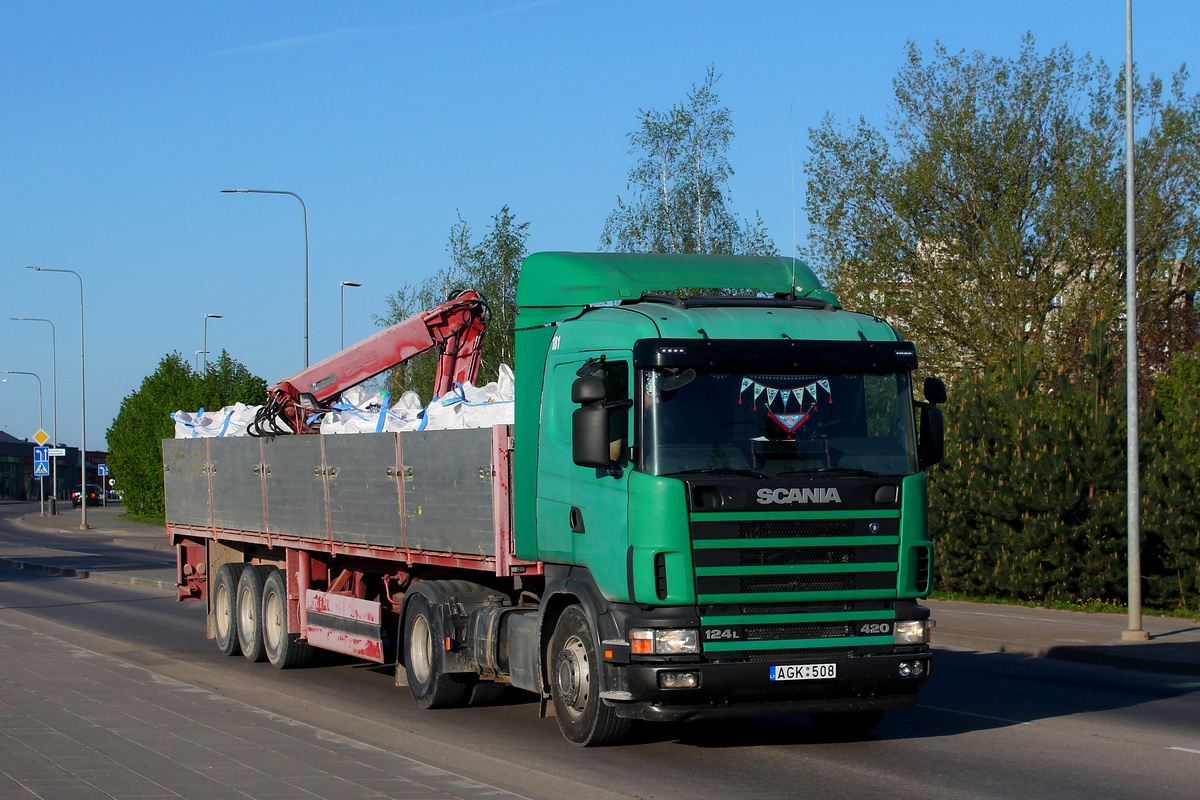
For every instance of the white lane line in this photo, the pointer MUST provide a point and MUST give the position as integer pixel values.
(972, 714)
(1185, 750)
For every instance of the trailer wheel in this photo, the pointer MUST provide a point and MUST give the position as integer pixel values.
(284, 650)
(848, 725)
(430, 687)
(249, 611)
(224, 607)
(574, 672)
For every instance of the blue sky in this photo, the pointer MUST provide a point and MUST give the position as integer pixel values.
(122, 122)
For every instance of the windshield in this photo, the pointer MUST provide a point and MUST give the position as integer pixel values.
(767, 425)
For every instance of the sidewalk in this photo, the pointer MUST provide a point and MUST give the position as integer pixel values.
(1173, 647)
(77, 724)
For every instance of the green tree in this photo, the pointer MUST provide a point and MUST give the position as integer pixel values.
(491, 267)
(680, 199)
(135, 438)
(990, 210)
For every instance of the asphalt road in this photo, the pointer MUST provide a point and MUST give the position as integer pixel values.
(990, 725)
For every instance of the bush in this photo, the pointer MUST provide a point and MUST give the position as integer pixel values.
(1030, 501)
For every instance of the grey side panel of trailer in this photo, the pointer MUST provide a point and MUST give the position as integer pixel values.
(364, 502)
(448, 493)
(295, 486)
(185, 481)
(236, 483)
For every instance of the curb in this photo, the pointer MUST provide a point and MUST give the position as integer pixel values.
(107, 577)
(1096, 655)
(121, 536)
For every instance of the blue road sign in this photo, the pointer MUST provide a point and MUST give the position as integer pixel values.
(41, 462)
(102, 469)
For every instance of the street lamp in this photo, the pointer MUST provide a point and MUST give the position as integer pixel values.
(54, 392)
(304, 211)
(198, 352)
(83, 523)
(41, 426)
(342, 318)
(207, 317)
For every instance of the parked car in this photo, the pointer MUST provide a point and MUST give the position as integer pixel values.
(94, 494)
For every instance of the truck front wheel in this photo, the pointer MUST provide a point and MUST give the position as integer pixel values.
(430, 687)
(574, 672)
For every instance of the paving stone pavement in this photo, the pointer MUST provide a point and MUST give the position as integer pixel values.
(78, 725)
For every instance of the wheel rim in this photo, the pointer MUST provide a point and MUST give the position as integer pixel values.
(221, 613)
(273, 621)
(420, 649)
(572, 677)
(245, 611)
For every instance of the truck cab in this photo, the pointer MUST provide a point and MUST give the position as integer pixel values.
(730, 488)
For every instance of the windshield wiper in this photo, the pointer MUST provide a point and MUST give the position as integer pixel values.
(866, 473)
(749, 473)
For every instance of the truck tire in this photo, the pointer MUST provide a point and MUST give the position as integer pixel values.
(224, 607)
(284, 650)
(574, 672)
(847, 726)
(249, 611)
(430, 687)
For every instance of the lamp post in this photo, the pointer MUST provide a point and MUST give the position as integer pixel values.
(207, 317)
(83, 523)
(54, 394)
(342, 317)
(303, 211)
(1133, 485)
(198, 352)
(41, 426)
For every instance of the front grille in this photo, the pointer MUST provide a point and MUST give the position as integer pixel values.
(824, 582)
(809, 607)
(797, 583)
(749, 529)
(797, 630)
(795, 556)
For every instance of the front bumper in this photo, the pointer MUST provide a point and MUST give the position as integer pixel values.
(729, 690)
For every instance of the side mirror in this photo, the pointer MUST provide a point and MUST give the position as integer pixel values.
(590, 439)
(934, 391)
(933, 436)
(589, 424)
(589, 436)
(588, 389)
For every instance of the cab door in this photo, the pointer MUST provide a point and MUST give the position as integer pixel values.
(582, 512)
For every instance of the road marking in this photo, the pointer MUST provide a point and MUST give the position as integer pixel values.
(972, 714)
(1185, 750)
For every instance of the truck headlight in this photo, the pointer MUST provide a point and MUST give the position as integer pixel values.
(664, 641)
(911, 631)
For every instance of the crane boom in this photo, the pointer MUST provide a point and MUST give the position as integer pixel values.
(456, 327)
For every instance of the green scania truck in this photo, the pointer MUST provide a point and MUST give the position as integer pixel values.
(708, 506)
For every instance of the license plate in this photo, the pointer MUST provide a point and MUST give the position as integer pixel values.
(804, 672)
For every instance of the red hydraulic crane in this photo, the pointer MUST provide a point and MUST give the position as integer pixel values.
(456, 327)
